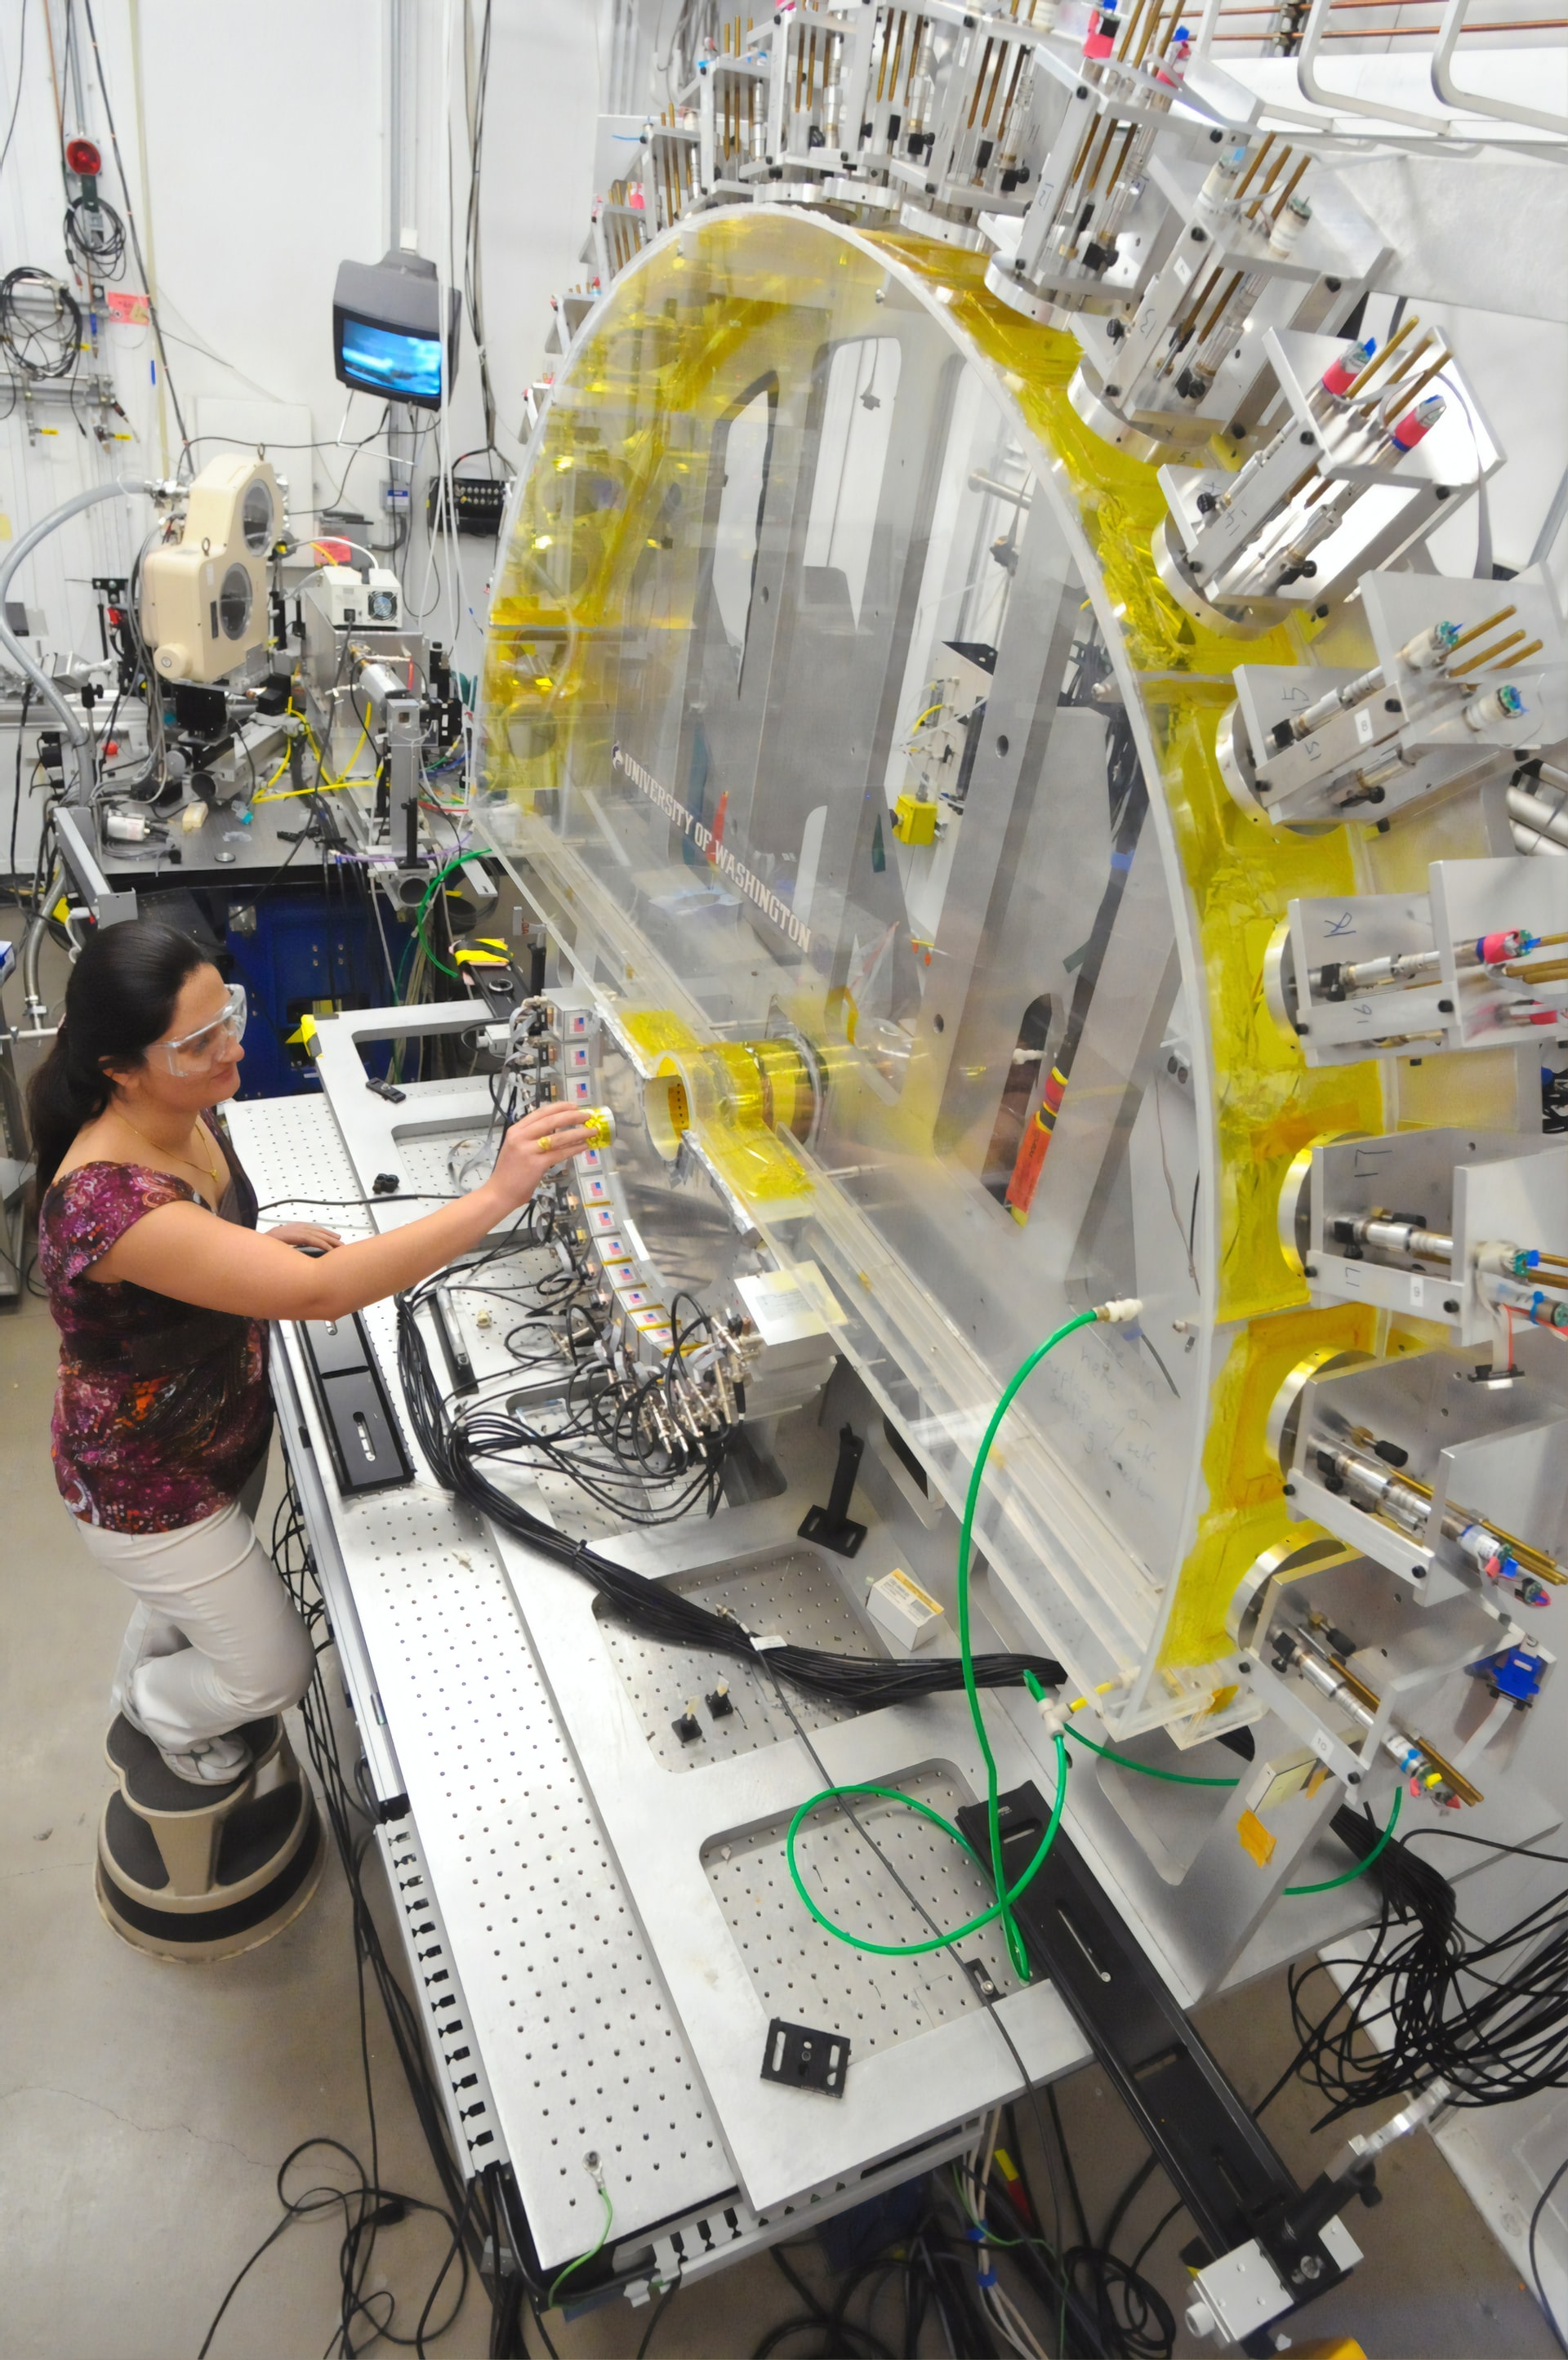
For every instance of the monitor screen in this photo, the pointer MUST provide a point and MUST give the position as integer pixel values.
(389, 361)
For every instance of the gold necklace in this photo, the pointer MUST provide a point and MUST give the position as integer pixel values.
(210, 1169)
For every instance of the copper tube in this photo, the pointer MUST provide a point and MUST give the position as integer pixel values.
(1486, 655)
(979, 86)
(1391, 32)
(1253, 161)
(1004, 126)
(1199, 335)
(1099, 165)
(1503, 615)
(1521, 655)
(1542, 971)
(1146, 33)
(1412, 392)
(1451, 1778)
(1291, 186)
(893, 72)
(1126, 28)
(991, 104)
(1388, 390)
(1266, 183)
(995, 72)
(1162, 40)
(1076, 174)
(1200, 298)
(998, 71)
(1380, 360)
(1371, 1702)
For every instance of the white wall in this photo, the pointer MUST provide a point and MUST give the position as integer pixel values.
(266, 147)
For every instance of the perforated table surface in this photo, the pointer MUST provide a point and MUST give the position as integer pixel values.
(552, 2026)
(564, 2013)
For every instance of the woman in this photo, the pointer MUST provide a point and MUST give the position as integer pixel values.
(161, 1287)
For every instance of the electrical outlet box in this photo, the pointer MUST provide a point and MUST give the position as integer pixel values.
(914, 822)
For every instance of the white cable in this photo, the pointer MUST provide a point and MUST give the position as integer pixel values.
(1012, 2324)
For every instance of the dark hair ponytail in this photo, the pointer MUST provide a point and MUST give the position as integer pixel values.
(120, 998)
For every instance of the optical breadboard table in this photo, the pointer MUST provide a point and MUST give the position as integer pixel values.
(549, 2015)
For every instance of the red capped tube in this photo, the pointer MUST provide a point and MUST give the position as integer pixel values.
(1342, 374)
(1418, 423)
(1100, 38)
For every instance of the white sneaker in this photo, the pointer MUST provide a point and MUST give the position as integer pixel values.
(205, 1761)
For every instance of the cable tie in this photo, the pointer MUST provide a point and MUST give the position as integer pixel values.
(975, 2233)
(986, 2277)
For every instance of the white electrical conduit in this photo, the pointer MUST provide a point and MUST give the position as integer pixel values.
(72, 723)
(76, 730)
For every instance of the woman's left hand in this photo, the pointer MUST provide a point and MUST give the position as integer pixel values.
(304, 1233)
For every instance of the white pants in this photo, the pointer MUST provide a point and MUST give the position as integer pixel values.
(214, 1639)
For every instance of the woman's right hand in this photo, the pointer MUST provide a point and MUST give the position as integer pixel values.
(533, 1146)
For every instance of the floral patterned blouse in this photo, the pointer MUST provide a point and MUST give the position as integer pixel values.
(163, 1410)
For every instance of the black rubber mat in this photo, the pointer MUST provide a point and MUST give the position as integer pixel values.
(255, 1834)
(130, 1845)
(151, 1782)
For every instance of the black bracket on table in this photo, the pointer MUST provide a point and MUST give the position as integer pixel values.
(802, 2059)
(368, 1453)
(833, 1527)
(1234, 2185)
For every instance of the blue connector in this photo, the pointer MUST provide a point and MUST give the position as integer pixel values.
(1515, 1673)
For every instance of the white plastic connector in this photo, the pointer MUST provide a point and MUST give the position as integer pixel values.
(1117, 1313)
(1055, 1715)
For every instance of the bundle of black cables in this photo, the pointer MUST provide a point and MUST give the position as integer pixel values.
(95, 237)
(40, 324)
(1434, 2000)
(860, 1682)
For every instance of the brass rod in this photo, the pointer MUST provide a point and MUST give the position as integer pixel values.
(1390, 389)
(1269, 178)
(1291, 186)
(979, 86)
(1503, 615)
(1412, 392)
(1489, 655)
(1451, 1776)
(1543, 971)
(1380, 360)
(1199, 335)
(998, 71)
(1253, 160)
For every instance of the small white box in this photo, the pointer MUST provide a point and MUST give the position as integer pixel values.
(905, 1613)
(351, 599)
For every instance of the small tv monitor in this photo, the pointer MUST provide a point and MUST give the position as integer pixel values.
(386, 325)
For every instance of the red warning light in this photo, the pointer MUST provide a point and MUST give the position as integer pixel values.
(83, 159)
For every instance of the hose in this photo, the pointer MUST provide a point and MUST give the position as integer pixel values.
(72, 723)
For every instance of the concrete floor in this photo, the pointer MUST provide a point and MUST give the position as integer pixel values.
(145, 2108)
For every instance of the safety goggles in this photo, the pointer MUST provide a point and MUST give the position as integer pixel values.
(199, 1051)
